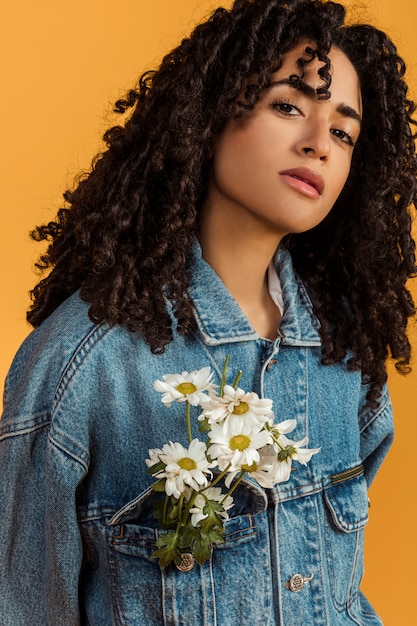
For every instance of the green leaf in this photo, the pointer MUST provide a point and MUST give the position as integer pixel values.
(167, 549)
(172, 511)
(201, 549)
(202, 544)
(204, 426)
(187, 535)
(216, 535)
(158, 509)
(159, 486)
(212, 508)
(156, 468)
(158, 514)
(224, 376)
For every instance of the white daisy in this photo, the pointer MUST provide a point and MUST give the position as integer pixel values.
(190, 386)
(294, 450)
(287, 451)
(212, 493)
(184, 466)
(278, 472)
(237, 442)
(237, 402)
(283, 428)
(259, 470)
(275, 462)
(154, 457)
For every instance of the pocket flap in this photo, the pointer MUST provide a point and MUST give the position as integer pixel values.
(249, 498)
(134, 509)
(348, 503)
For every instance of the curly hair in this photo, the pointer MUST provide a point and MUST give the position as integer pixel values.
(124, 236)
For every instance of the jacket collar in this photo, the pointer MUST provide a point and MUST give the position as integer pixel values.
(221, 320)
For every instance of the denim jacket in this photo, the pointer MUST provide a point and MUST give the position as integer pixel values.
(80, 415)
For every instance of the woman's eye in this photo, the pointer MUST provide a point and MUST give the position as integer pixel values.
(343, 136)
(286, 108)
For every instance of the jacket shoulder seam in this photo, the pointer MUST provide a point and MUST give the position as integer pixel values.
(79, 356)
(26, 426)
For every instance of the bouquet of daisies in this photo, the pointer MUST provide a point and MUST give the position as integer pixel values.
(196, 483)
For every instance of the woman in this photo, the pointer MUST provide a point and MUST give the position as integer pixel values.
(255, 206)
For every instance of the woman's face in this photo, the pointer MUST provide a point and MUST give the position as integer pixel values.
(283, 166)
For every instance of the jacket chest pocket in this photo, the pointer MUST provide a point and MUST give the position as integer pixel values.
(347, 516)
(194, 595)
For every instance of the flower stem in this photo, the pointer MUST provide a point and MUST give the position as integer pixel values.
(164, 513)
(188, 419)
(234, 486)
(224, 376)
(219, 477)
(190, 504)
(181, 500)
(275, 439)
(237, 379)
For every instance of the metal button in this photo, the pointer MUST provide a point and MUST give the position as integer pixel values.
(187, 562)
(297, 582)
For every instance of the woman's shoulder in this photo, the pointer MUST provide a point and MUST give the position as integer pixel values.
(58, 345)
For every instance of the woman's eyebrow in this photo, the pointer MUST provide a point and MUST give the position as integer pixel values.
(348, 111)
(296, 83)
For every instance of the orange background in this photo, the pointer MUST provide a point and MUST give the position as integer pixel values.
(62, 66)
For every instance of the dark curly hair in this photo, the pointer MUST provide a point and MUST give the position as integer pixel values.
(125, 239)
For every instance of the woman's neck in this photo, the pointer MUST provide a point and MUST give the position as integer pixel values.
(241, 257)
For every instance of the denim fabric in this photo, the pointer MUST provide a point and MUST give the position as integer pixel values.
(76, 531)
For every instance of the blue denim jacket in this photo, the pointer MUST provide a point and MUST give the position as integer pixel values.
(76, 532)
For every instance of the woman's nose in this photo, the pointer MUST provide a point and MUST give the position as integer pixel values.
(315, 142)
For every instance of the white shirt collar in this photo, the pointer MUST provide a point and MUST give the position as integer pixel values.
(274, 287)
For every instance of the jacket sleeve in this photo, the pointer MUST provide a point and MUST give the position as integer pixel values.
(377, 433)
(41, 550)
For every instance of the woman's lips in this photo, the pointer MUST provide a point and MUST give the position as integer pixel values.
(304, 180)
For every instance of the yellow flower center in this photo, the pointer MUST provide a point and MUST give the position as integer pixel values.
(186, 388)
(239, 442)
(241, 408)
(187, 464)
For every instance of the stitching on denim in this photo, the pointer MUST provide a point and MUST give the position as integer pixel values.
(134, 542)
(60, 441)
(323, 606)
(91, 547)
(308, 489)
(114, 583)
(298, 492)
(307, 300)
(210, 565)
(241, 534)
(164, 596)
(32, 425)
(351, 595)
(280, 602)
(351, 588)
(173, 618)
(79, 356)
(85, 514)
(339, 520)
